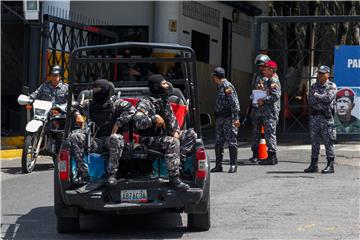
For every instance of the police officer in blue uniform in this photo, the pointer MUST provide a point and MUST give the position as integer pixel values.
(55, 90)
(322, 127)
(227, 111)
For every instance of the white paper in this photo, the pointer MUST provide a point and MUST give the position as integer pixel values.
(258, 94)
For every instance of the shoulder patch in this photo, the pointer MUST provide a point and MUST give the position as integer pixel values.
(274, 85)
(333, 86)
(123, 103)
(228, 90)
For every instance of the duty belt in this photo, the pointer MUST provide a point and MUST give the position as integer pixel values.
(317, 112)
(223, 114)
(324, 113)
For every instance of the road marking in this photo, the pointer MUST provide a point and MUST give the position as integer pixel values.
(10, 154)
(305, 227)
(331, 228)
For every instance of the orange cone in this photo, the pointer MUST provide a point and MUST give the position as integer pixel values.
(262, 149)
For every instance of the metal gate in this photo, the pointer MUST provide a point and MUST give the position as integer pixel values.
(298, 48)
(61, 36)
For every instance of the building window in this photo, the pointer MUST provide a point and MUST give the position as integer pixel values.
(201, 13)
(242, 27)
(200, 42)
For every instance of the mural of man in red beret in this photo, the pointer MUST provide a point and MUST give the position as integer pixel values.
(344, 121)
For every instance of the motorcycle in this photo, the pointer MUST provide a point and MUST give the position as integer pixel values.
(43, 134)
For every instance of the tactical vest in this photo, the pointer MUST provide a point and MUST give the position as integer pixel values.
(103, 117)
(153, 130)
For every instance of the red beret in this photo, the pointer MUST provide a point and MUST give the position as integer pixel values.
(271, 64)
(345, 92)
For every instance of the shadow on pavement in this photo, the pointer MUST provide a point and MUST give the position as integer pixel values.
(17, 170)
(289, 176)
(284, 172)
(40, 223)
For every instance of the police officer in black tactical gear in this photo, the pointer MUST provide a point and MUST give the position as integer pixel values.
(109, 114)
(159, 129)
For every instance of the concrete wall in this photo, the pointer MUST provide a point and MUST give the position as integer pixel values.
(189, 24)
(163, 13)
(119, 13)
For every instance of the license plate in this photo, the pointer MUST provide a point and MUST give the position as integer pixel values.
(134, 196)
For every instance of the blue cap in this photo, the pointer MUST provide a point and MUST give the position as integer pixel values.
(324, 69)
(219, 72)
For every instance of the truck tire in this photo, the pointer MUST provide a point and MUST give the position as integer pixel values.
(68, 225)
(199, 222)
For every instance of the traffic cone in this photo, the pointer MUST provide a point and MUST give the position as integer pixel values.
(262, 149)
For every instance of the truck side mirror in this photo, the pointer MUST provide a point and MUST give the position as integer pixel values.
(205, 120)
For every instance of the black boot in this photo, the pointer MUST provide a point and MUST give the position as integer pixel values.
(275, 160)
(233, 152)
(111, 180)
(329, 167)
(219, 151)
(176, 183)
(313, 168)
(254, 158)
(271, 160)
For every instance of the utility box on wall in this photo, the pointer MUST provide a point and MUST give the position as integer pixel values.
(31, 10)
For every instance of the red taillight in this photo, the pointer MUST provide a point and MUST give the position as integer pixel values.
(63, 165)
(202, 165)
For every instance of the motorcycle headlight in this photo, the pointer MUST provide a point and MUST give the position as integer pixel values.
(40, 112)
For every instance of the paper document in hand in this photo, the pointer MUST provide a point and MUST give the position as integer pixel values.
(258, 94)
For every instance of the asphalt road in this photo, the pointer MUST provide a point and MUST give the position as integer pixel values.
(258, 202)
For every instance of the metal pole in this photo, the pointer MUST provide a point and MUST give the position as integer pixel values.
(257, 26)
(285, 55)
(45, 45)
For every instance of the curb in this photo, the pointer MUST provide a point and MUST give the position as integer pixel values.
(11, 147)
(10, 154)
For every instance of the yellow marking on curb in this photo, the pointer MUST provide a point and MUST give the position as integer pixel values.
(10, 154)
(305, 227)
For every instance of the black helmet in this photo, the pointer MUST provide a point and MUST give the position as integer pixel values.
(56, 69)
(219, 72)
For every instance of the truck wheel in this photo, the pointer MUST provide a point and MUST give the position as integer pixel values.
(199, 222)
(28, 158)
(68, 225)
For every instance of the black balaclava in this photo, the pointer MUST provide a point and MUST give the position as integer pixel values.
(103, 90)
(154, 84)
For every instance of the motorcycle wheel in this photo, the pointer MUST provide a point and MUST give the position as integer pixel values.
(29, 157)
